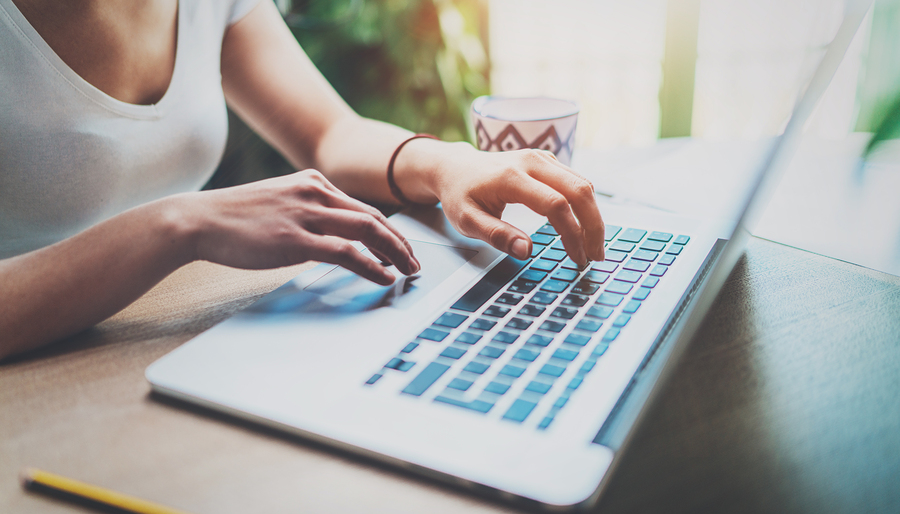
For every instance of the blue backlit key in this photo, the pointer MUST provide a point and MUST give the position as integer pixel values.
(532, 310)
(565, 275)
(548, 230)
(566, 355)
(512, 371)
(476, 367)
(522, 286)
(526, 355)
(585, 288)
(617, 286)
(552, 326)
(653, 246)
(426, 378)
(636, 265)
(543, 298)
(564, 312)
(604, 266)
(490, 352)
(532, 275)
(642, 293)
(577, 339)
(496, 311)
(633, 235)
(658, 270)
(589, 325)
(409, 348)
(519, 410)
(537, 387)
(510, 299)
(450, 319)
(628, 276)
(554, 255)
(644, 255)
(506, 337)
(460, 384)
(596, 277)
(433, 334)
(610, 299)
(519, 324)
(476, 405)
(539, 340)
(622, 246)
(650, 282)
(631, 307)
(497, 388)
(543, 265)
(622, 320)
(611, 231)
(665, 237)
(468, 338)
(667, 260)
(614, 256)
(552, 370)
(542, 239)
(610, 335)
(452, 352)
(575, 300)
(674, 249)
(600, 311)
(682, 240)
(554, 286)
(483, 324)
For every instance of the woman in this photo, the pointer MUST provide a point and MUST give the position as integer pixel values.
(113, 115)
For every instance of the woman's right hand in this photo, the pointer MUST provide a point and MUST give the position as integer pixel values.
(292, 219)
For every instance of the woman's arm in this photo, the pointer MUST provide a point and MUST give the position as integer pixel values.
(270, 83)
(69, 286)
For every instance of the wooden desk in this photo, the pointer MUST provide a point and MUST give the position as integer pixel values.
(787, 400)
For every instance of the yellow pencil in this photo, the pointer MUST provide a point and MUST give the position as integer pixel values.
(37, 480)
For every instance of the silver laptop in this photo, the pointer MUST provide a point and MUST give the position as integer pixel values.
(520, 378)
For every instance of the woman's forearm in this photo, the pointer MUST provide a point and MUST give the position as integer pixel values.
(64, 288)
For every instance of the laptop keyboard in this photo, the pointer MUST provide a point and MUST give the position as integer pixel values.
(549, 323)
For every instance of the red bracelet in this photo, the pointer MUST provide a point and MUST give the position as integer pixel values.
(390, 171)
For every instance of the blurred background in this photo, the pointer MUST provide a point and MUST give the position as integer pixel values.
(641, 70)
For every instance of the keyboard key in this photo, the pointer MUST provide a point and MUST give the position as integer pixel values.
(589, 325)
(542, 239)
(452, 352)
(497, 388)
(681, 240)
(483, 324)
(631, 307)
(539, 340)
(519, 410)
(658, 270)
(476, 367)
(564, 313)
(522, 286)
(506, 337)
(667, 260)
(554, 255)
(399, 364)
(510, 299)
(633, 235)
(490, 283)
(653, 246)
(635, 265)
(611, 231)
(577, 339)
(600, 349)
(552, 370)
(548, 230)
(650, 282)
(496, 311)
(565, 275)
(622, 246)
(374, 379)
(558, 246)
(512, 371)
(596, 277)
(641, 294)
(532, 275)
(575, 383)
(575, 300)
(553, 326)
(628, 276)
(674, 249)
(560, 402)
(543, 298)
(554, 286)
(665, 237)
(622, 320)
(526, 355)
(519, 324)
(571, 265)
(450, 319)
(604, 266)
(537, 387)
(543, 265)
(617, 286)
(491, 352)
(644, 255)
(585, 288)
(409, 348)
(614, 256)
(599, 311)
(460, 384)
(426, 378)
(545, 422)
(536, 250)
(468, 338)
(433, 334)
(476, 405)
(610, 335)
(610, 299)
(566, 355)
(588, 366)
(532, 310)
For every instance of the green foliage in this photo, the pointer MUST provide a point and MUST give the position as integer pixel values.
(879, 91)
(414, 63)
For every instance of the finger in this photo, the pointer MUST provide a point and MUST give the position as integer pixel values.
(363, 227)
(341, 200)
(546, 201)
(334, 250)
(580, 193)
(499, 234)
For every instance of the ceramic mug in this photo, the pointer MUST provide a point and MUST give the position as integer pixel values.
(502, 124)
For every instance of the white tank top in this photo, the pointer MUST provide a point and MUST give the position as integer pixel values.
(72, 156)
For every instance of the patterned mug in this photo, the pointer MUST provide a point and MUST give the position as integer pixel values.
(501, 124)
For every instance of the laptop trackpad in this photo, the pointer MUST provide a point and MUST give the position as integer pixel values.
(341, 292)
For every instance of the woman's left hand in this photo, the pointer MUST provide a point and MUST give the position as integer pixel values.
(474, 188)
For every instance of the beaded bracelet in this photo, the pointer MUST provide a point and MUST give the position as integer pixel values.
(390, 171)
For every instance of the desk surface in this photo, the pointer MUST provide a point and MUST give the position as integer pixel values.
(788, 400)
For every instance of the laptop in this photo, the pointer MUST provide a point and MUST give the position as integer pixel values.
(522, 379)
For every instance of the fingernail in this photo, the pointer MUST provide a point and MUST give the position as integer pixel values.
(519, 249)
(414, 265)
